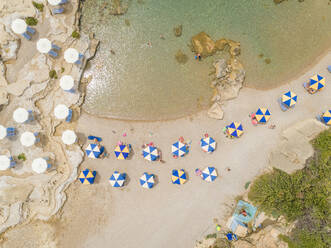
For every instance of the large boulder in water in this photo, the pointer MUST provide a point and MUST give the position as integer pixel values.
(203, 44)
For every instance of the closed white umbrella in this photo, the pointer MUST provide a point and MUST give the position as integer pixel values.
(66, 82)
(3, 132)
(54, 2)
(27, 139)
(61, 111)
(19, 26)
(4, 162)
(69, 137)
(44, 45)
(71, 55)
(39, 165)
(21, 115)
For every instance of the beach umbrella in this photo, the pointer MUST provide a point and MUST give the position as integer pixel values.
(19, 26)
(3, 132)
(54, 2)
(39, 165)
(289, 99)
(4, 162)
(235, 129)
(179, 149)
(209, 174)
(122, 151)
(69, 137)
(71, 55)
(327, 117)
(20, 115)
(117, 179)
(28, 139)
(150, 153)
(61, 111)
(208, 144)
(87, 176)
(178, 176)
(93, 151)
(66, 82)
(262, 115)
(316, 82)
(44, 45)
(147, 180)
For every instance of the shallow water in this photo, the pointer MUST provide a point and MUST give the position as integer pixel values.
(146, 83)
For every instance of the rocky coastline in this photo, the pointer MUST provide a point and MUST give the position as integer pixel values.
(30, 79)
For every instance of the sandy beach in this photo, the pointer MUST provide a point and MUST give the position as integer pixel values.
(179, 215)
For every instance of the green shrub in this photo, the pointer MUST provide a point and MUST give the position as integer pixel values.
(75, 34)
(38, 6)
(302, 196)
(31, 21)
(21, 157)
(52, 74)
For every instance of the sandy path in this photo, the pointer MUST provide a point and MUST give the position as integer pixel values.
(176, 216)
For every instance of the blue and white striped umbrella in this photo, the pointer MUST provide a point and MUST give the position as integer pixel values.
(93, 151)
(209, 174)
(117, 179)
(147, 180)
(208, 144)
(179, 149)
(150, 153)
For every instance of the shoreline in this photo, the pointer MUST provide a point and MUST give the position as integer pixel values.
(292, 78)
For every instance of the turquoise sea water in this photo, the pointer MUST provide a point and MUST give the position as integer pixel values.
(143, 82)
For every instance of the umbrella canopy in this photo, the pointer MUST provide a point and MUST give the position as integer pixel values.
(69, 137)
(87, 176)
(147, 180)
(71, 55)
(117, 179)
(27, 139)
(179, 149)
(209, 174)
(150, 153)
(235, 129)
(44, 45)
(262, 115)
(4, 162)
(316, 82)
(54, 2)
(178, 176)
(19, 26)
(208, 144)
(327, 117)
(3, 132)
(289, 99)
(122, 151)
(61, 111)
(39, 165)
(20, 115)
(66, 82)
(93, 151)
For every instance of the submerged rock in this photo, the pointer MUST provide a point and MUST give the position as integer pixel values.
(178, 30)
(203, 44)
(181, 57)
(220, 44)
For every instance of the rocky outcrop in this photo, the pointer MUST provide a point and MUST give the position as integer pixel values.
(295, 148)
(203, 44)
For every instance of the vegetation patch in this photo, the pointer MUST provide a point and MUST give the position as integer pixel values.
(38, 6)
(31, 21)
(75, 34)
(52, 74)
(303, 196)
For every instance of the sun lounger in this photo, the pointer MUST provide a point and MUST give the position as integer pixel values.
(26, 36)
(79, 61)
(11, 131)
(69, 117)
(12, 162)
(30, 30)
(52, 53)
(91, 137)
(282, 106)
(56, 47)
(31, 117)
(329, 68)
(58, 11)
(64, 1)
